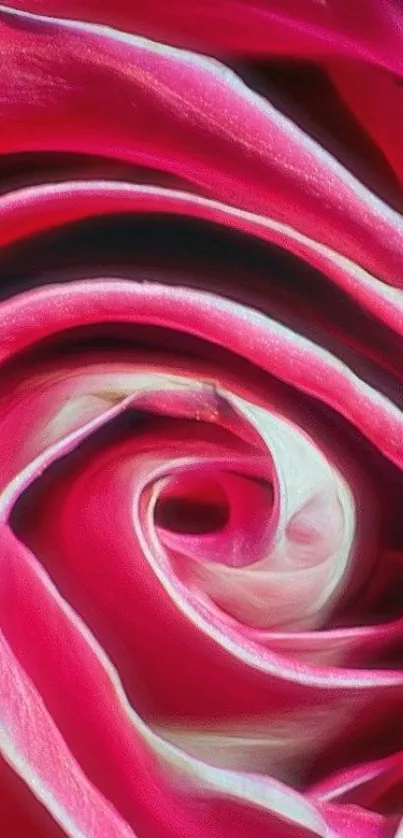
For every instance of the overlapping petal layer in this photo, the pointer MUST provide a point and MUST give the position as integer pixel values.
(78, 546)
(370, 30)
(191, 116)
(193, 557)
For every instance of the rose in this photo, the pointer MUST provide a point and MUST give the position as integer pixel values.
(200, 473)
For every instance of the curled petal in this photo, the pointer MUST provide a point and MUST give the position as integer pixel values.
(159, 785)
(32, 745)
(371, 30)
(24, 212)
(300, 568)
(188, 115)
(271, 346)
(376, 99)
(375, 785)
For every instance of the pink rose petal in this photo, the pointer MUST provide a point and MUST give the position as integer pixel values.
(297, 28)
(189, 115)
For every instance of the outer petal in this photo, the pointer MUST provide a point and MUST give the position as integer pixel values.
(188, 115)
(370, 29)
(28, 211)
(376, 785)
(20, 812)
(376, 99)
(158, 786)
(287, 356)
(32, 745)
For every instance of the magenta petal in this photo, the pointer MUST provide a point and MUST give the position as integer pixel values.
(36, 315)
(80, 555)
(39, 208)
(376, 99)
(351, 646)
(376, 785)
(21, 813)
(150, 104)
(111, 742)
(297, 28)
(160, 675)
(31, 743)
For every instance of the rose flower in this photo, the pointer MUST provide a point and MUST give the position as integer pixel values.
(201, 447)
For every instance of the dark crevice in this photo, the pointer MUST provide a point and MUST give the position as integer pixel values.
(303, 91)
(380, 477)
(210, 257)
(190, 517)
(25, 169)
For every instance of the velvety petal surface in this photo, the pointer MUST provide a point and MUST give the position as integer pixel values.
(190, 115)
(370, 30)
(200, 466)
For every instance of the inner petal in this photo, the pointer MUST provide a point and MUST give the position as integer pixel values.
(215, 515)
(192, 503)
